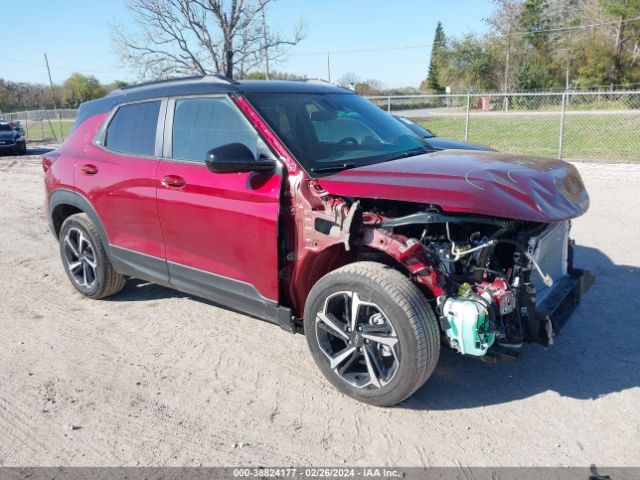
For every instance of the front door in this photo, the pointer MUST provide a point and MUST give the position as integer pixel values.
(220, 229)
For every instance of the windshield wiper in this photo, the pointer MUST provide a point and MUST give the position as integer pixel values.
(410, 153)
(331, 168)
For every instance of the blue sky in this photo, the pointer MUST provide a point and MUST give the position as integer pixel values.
(75, 35)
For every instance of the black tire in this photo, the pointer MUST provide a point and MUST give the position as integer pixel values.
(105, 281)
(413, 327)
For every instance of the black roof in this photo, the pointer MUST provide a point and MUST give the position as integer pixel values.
(202, 85)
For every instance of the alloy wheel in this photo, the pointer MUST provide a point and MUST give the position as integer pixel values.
(358, 339)
(80, 258)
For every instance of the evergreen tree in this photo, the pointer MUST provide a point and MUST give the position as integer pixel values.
(437, 52)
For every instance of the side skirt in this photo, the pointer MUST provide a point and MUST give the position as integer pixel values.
(227, 292)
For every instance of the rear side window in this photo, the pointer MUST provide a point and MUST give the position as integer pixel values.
(133, 129)
(202, 124)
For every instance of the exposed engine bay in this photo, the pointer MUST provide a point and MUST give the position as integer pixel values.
(487, 278)
(495, 272)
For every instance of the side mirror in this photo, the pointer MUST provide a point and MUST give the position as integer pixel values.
(236, 157)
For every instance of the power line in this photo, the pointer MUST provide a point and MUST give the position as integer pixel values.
(429, 45)
(58, 67)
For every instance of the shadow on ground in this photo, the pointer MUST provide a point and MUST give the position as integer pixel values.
(142, 291)
(32, 150)
(596, 353)
(38, 150)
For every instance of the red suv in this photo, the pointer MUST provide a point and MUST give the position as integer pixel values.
(303, 204)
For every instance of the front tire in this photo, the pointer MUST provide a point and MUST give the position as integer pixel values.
(371, 332)
(85, 259)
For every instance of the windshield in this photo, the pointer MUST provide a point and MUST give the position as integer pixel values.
(5, 127)
(334, 131)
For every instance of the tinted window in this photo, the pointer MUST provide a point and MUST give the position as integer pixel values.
(336, 130)
(201, 124)
(133, 129)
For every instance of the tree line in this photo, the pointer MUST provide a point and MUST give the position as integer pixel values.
(72, 92)
(542, 44)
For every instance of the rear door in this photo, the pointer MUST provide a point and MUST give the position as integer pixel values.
(118, 175)
(220, 229)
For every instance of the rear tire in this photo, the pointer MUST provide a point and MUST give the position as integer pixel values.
(85, 259)
(371, 332)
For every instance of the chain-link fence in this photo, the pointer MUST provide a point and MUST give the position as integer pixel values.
(43, 125)
(570, 125)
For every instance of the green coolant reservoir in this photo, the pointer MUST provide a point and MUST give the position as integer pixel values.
(471, 331)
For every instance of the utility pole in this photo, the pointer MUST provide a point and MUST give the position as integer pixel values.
(506, 70)
(55, 104)
(567, 70)
(266, 43)
(53, 92)
(617, 59)
(329, 66)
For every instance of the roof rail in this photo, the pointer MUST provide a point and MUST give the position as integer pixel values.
(209, 77)
(318, 81)
(322, 81)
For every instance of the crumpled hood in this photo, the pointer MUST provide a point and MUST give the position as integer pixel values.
(484, 183)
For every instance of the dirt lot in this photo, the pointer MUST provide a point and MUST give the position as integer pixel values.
(154, 377)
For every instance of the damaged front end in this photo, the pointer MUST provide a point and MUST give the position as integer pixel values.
(499, 282)
(494, 283)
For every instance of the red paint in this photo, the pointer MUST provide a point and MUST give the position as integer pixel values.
(484, 183)
(222, 223)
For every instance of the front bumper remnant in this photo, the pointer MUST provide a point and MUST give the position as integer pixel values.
(552, 313)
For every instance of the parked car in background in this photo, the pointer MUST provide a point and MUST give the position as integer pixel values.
(11, 139)
(18, 127)
(439, 143)
(307, 206)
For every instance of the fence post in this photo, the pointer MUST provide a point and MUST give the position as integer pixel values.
(389, 104)
(60, 123)
(466, 122)
(561, 139)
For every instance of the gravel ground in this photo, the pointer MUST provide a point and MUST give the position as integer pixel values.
(155, 377)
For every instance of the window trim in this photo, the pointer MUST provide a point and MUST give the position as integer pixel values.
(168, 127)
(99, 139)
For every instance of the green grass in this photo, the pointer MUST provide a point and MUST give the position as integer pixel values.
(45, 131)
(586, 137)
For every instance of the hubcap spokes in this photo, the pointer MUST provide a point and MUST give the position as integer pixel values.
(80, 258)
(358, 340)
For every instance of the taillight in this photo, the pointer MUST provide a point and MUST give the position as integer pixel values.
(48, 159)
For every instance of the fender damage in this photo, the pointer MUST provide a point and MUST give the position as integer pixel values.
(465, 226)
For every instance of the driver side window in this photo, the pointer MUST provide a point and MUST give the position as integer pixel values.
(202, 124)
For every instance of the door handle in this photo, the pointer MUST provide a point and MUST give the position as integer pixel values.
(173, 181)
(89, 169)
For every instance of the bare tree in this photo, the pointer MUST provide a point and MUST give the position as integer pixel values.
(178, 37)
(502, 22)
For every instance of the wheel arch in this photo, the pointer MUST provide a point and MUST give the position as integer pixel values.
(315, 267)
(64, 203)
